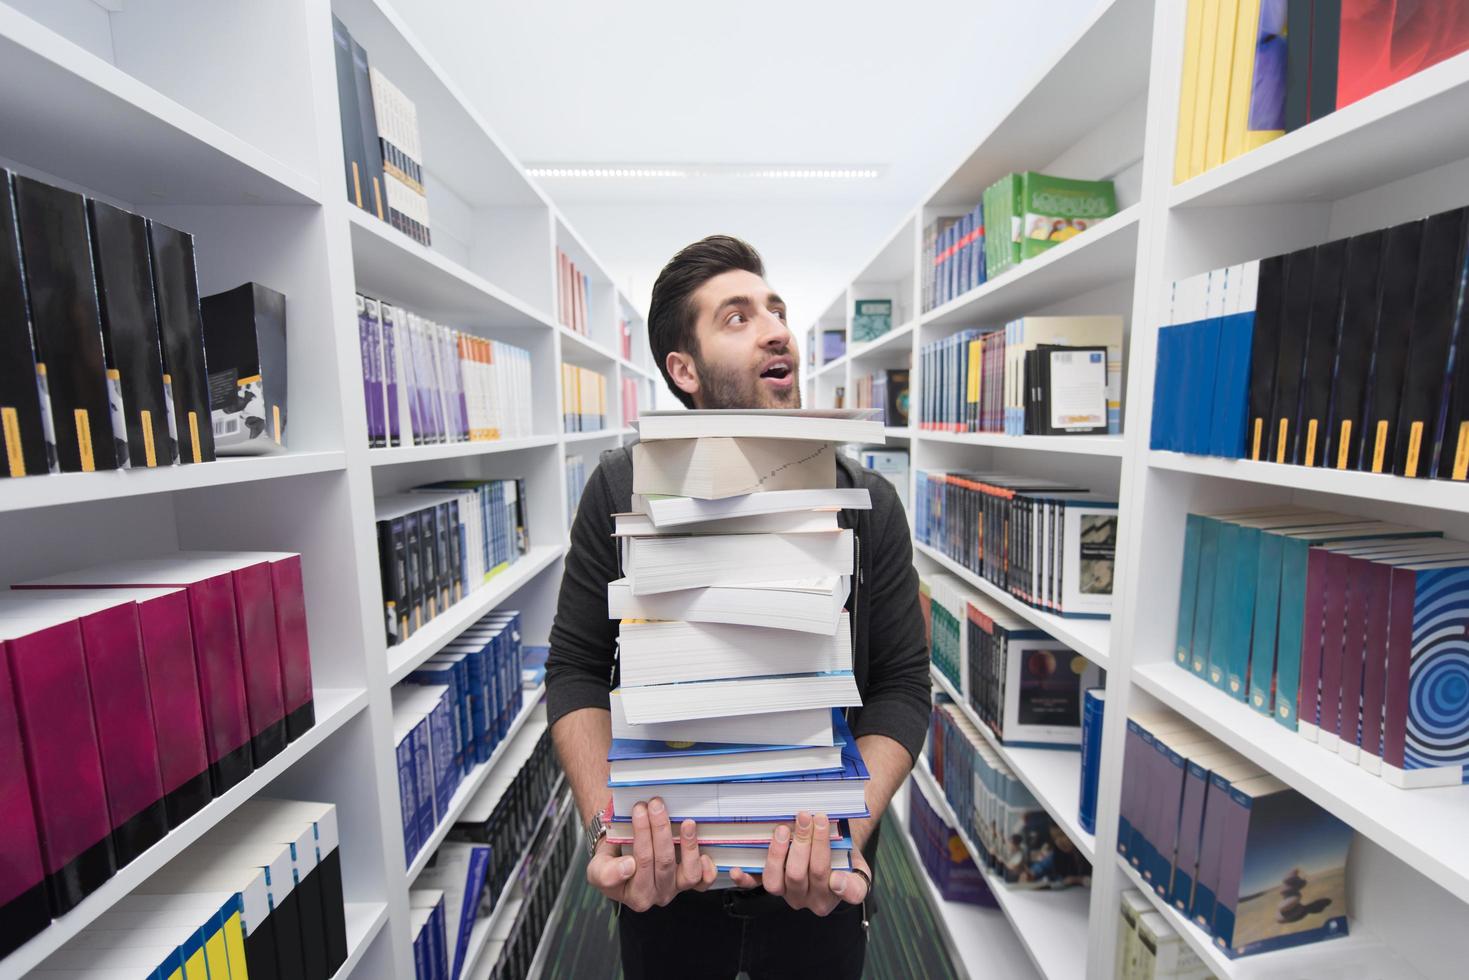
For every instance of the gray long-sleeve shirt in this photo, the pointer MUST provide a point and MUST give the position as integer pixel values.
(890, 657)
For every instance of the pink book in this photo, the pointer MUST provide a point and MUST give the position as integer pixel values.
(217, 655)
(23, 909)
(63, 759)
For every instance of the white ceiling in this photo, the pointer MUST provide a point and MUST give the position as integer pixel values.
(907, 87)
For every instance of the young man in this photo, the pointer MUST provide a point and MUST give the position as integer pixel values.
(720, 337)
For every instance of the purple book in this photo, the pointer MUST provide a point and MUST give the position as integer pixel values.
(173, 683)
(1171, 775)
(1377, 593)
(1190, 826)
(364, 339)
(1353, 655)
(1206, 882)
(1131, 785)
(390, 373)
(1335, 568)
(1267, 88)
(260, 655)
(23, 909)
(379, 432)
(1313, 625)
(62, 755)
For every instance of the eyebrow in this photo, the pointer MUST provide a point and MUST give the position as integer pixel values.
(771, 300)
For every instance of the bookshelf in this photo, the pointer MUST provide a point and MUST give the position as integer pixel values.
(1390, 157)
(142, 105)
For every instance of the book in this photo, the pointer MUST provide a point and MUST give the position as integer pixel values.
(833, 345)
(1093, 708)
(1401, 252)
(675, 511)
(1188, 90)
(751, 860)
(245, 334)
(1299, 24)
(838, 795)
(130, 333)
(671, 651)
(23, 407)
(802, 726)
(678, 562)
(653, 703)
(713, 831)
(793, 522)
(370, 156)
(404, 191)
(24, 911)
(1028, 333)
(871, 318)
(635, 762)
(1356, 328)
(56, 255)
(181, 338)
(1055, 209)
(723, 466)
(351, 120)
(1383, 43)
(811, 425)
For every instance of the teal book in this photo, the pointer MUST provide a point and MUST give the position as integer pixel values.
(1267, 620)
(1204, 609)
(871, 318)
(1188, 589)
(1222, 613)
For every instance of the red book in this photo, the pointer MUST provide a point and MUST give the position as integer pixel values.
(63, 759)
(23, 909)
(1385, 41)
(217, 655)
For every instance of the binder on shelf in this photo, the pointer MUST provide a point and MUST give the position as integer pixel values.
(245, 334)
(22, 406)
(181, 335)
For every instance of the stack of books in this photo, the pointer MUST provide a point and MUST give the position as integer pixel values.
(1148, 948)
(1244, 856)
(426, 383)
(735, 646)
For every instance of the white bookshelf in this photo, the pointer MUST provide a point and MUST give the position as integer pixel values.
(1095, 112)
(167, 109)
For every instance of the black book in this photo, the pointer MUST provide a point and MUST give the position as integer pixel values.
(181, 336)
(130, 330)
(1030, 379)
(1290, 355)
(351, 117)
(442, 555)
(413, 553)
(56, 255)
(22, 431)
(456, 552)
(428, 548)
(334, 909)
(1325, 50)
(1297, 63)
(1264, 352)
(313, 925)
(895, 411)
(1355, 330)
(1451, 442)
(1424, 377)
(371, 153)
(245, 335)
(1401, 247)
(1321, 330)
(394, 565)
(1074, 360)
(289, 944)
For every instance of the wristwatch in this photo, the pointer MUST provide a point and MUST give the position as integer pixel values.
(595, 830)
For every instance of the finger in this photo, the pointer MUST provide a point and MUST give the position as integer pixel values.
(608, 873)
(741, 878)
(820, 856)
(848, 887)
(798, 862)
(665, 868)
(707, 872)
(775, 861)
(641, 884)
(690, 869)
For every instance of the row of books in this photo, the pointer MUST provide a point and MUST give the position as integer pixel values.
(381, 147)
(1019, 842)
(871, 318)
(428, 926)
(955, 254)
(943, 855)
(514, 945)
(1026, 686)
(449, 716)
(576, 482)
(471, 873)
(885, 390)
(1148, 948)
(440, 541)
(1254, 70)
(1245, 857)
(1341, 355)
(583, 399)
(103, 337)
(1051, 545)
(425, 383)
(258, 895)
(890, 464)
(1038, 375)
(133, 694)
(573, 294)
(1339, 627)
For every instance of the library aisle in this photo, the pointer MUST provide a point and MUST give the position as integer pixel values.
(317, 318)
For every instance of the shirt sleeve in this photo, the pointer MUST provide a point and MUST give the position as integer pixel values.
(583, 640)
(897, 698)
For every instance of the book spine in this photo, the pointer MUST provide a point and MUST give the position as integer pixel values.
(173, 686)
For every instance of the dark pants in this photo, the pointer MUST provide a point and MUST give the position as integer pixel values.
(718, 934)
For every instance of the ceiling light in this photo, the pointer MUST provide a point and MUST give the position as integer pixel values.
(645, 171)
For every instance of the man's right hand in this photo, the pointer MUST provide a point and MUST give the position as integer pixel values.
(654, 874)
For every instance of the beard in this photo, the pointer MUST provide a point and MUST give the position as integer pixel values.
(721, 386)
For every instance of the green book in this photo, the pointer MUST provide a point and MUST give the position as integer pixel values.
(871, 319)
(1052, 210)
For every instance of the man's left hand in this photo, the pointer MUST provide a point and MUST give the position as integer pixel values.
(798, 866)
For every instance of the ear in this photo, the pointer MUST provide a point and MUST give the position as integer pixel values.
(680, 367)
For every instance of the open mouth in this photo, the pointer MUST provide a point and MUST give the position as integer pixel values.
(777, 370)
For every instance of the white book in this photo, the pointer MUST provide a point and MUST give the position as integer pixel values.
(755, 761)
(668, 511)
(816, 424)
(640, 525)
(749, 858)
(741, 696)
(674, 651)
(808, 726)
(811, 606)
(719, 466)
(836, 796)
(666, 564)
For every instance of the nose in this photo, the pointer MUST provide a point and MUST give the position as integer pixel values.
(774, 333)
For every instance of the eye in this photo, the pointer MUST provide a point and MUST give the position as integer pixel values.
(735, 319)
(780, 314)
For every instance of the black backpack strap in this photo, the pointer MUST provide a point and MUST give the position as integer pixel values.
(616, 466)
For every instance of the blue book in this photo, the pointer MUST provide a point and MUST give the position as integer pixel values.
(1091, 756)
(977, 273)
(1166, 382)
(639, 762)
(1232, 385)
(408, 798)
(751, 858)
(533, 665)
(1203, 364)
(840, 795)
(479, 866)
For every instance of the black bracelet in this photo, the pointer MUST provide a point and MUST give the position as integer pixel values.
(865, 877)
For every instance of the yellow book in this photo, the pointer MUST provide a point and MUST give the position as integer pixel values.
(1209, 30)
(1188, 90)
(1221, 86)
(1241, 77)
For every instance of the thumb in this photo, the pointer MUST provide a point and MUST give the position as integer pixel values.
(848, 887)
(626, 866)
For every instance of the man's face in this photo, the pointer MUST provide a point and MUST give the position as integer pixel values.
(747, 355)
